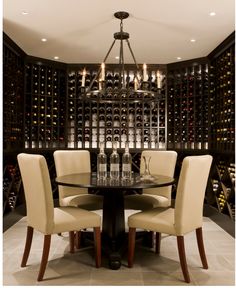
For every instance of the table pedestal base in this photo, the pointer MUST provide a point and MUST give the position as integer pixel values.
(113, 228)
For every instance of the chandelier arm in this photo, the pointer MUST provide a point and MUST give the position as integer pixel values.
(122, 63)
(109, 51)
(100, 68)
(120, 58)
(131, 51)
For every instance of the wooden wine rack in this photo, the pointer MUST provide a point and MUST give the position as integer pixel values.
(223, 185)
(11, 187)
(222, 97)
(13, 95)
(45, 104)
(188, 117)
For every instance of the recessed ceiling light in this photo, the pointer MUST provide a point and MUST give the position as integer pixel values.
(56, 57)
(24, 13)
(193, 40)
(117, 57)
(44, 40)
(212, 13)
(178, 58)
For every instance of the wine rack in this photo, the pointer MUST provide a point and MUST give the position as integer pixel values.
(188, 114)
(45, 106)
(222, 100)
(13, 96)
(142, 123)
(223, 183)
(11, 186)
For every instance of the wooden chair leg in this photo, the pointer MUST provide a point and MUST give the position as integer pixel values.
(201, 247)
(72, 241)
(44, 260)
(28, 243)
(158, 242)
(182, 258)
(97, 243)
(131, 246)
(78, 235)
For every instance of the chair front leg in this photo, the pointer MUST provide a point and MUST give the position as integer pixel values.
(78, 236)
(97, 243)
(131, 246)
(44, 260)
(28, 243)
(201, 247)
(72, 241)
(182, 258)
(158, 242)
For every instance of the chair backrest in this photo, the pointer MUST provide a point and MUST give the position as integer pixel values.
(38, 191)
(162, 163)
(69, 162)
(190, 193)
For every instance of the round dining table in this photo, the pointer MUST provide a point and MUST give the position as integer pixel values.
(113, 191)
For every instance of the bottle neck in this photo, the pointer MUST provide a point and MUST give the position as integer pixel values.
(114, 147)
(126, 147)
(102, 148)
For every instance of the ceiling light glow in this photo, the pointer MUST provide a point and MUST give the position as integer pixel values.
(24, 13)
(44, 40)
(193, 40)
(178, 58)
(56, 57)
(117, 57)
(212, 13)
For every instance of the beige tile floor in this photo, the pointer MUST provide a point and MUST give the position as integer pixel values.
(149, 269)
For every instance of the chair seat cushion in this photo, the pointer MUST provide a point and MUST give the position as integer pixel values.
(157, 219)
(74, 219)
(84, 201)
(145, 201)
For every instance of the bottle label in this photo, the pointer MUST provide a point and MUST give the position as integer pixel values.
(126, 167)
(102, 167)
(115, 167)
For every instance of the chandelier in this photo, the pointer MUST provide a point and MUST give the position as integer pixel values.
(138, 89)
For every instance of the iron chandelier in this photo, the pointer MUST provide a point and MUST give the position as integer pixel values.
(140, 87)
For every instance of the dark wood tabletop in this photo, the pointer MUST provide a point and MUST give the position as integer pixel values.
(89, 180)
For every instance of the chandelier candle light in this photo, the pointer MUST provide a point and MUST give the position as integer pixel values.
(83, 78)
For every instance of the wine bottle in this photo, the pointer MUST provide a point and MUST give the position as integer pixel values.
(114, 163)
(102, 163)
(126, 163)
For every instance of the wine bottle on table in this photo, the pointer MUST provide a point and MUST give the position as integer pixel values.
(102, 163)
(115, 163)
(126, 163)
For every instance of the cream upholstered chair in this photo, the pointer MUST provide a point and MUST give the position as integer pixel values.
(162, 163)
(42, 216)
(75, 161)
(184, 218)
